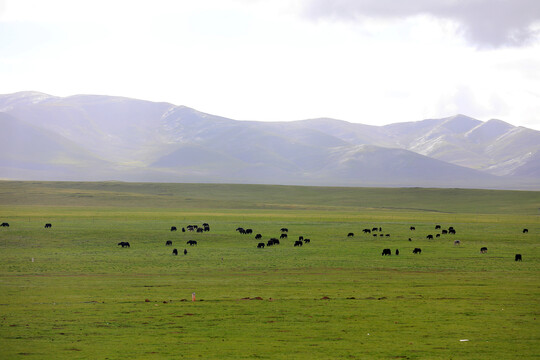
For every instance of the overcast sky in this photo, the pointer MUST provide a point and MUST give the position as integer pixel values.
(367, 61)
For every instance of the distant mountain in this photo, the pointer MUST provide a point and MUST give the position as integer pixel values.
(89, 137)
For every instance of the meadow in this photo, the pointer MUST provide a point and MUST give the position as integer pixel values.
(70, 292)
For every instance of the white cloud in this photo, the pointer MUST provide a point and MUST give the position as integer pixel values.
(485, 23)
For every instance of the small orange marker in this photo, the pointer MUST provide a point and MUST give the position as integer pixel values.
(193, 297)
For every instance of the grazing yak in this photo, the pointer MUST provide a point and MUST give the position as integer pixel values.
(191, 242)
(397, 251)
(451, 231)
(483, 250)
(386, 252)
(168, 243)
(525, 231)
(260, 246)
(445, 232)
(298, 243)
(437, 227)
(185, 251)
(183, 229)
(283, 236)
(412, 228)
(4, 224)
(429, 237)
(48, 226)
(175, 252)
(307, 241)
(258, 236)
(417, 251)
(457, 242)
(284, 230)
(173, 228)
(350, 234)
(300, 237)
(123, 244)
(518, 257)
(367, 231)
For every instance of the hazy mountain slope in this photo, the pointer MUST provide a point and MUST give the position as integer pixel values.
(113, 127)
(25, 149)
(67, 138)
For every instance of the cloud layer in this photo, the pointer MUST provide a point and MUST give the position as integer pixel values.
(484, 23)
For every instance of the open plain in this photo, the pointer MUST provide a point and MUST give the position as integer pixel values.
(69, 291)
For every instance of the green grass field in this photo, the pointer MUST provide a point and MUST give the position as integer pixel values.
(84, 297)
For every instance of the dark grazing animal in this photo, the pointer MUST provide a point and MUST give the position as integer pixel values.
(48, 226)
(429, 236)
(437, 227)
(417, 251)
(123, 244)
(300, 237)
(175, 252)
(185, 251)
(518, 257)
(258, 236)
(525, 231)
(284, 230)
(445, 232)
(307, 241)
(173, 228)
(386, 252)
(397, 251)
(298, 243)
(367, 231)
(191, 242)
(452, 231)
(412, 228)
(283, 236)
(169, 242)
(200, 230)
(457, 242)
(483, 250)
(183, 229)
(4, 224)
(350, 234)
(260, 246)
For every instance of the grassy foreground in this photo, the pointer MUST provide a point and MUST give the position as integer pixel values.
(70, 292)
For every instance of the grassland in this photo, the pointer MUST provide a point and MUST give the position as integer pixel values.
(84, 297)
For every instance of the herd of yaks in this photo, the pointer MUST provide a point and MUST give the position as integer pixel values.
(301, 240)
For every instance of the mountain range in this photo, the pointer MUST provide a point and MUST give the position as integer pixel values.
(94, 137)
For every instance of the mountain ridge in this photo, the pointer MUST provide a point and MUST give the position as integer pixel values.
(128, 139)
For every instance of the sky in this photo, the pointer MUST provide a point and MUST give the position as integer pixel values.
(364, 61)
